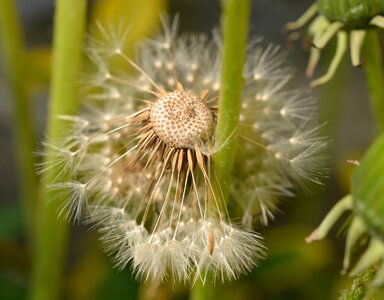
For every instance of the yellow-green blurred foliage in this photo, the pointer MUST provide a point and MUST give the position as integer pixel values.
(142, 16)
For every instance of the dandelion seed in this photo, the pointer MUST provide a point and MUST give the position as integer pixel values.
(143, 150)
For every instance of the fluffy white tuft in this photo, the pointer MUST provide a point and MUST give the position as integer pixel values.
(152, 202)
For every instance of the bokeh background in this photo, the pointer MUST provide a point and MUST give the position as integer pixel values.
(293, 269)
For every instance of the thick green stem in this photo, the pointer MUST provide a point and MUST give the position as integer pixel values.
(14, 63)
(52, 232)
(235, 32)
(375, 75)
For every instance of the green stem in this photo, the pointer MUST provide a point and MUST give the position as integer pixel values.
(235, 32)
(52, 232)
(375, 75)
(14, 62)
(202, 292)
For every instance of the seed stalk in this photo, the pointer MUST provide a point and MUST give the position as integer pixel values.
(52, 232)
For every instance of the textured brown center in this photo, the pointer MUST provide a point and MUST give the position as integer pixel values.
(181, 119)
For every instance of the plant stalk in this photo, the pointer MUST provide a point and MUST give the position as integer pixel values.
(375, 75)
(52, 232)
(235, 32)
(14, 62)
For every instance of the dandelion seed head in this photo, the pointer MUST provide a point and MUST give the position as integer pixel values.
(189, 77)
(257, 76)
(140, 155)
(181, 119)
(207, 80)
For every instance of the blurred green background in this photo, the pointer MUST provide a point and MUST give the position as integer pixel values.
(293, 269)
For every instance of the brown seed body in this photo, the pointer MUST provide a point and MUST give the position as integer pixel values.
(181, 119)
(211, 242)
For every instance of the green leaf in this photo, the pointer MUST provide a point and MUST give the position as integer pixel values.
(375, 75)
(368, 188)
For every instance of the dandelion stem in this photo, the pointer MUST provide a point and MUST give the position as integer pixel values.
(235, 32)
(375, 75)
(201, 292)
(13, 60)
(52, 233)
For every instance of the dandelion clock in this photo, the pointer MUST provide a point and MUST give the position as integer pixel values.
(140, 154)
